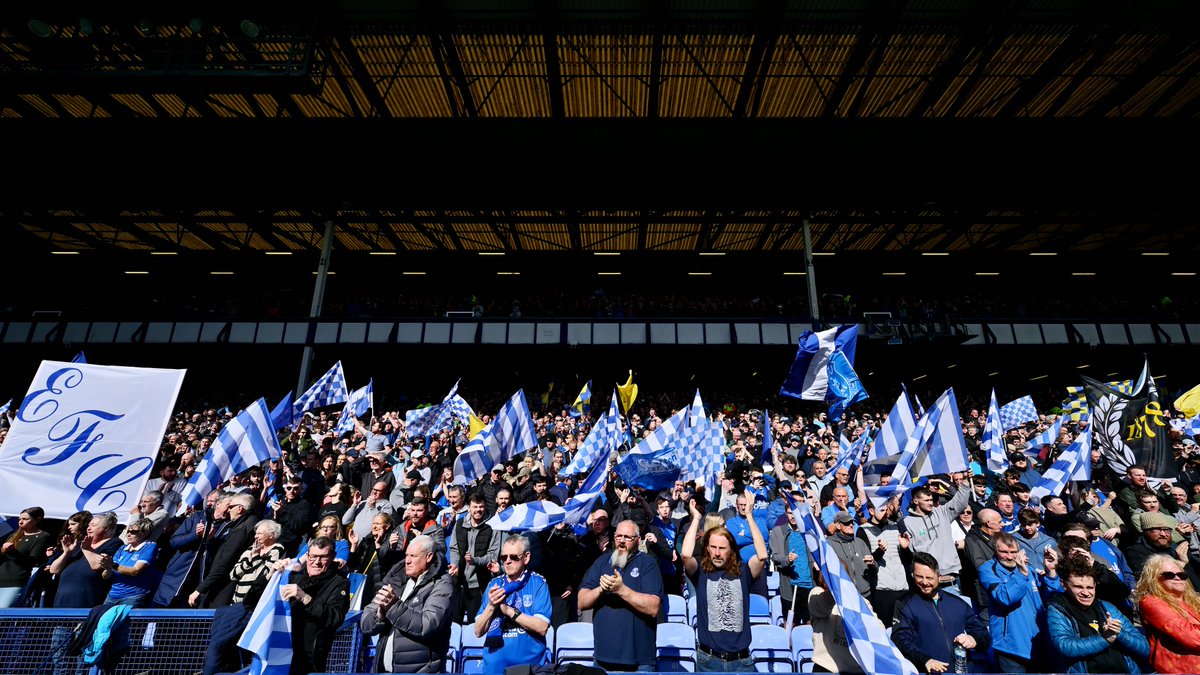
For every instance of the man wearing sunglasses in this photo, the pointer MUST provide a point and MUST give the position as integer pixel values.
(516, 614)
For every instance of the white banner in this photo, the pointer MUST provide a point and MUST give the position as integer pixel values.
(85, 438)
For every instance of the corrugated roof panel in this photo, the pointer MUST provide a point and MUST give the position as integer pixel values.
(1015, 61)
(507, 74)
(701, 74)
(908, 65)
(413, 240)
(803, 71)
(672, 236)
(599, 234)
(175, 106)
(80, 106)
(1119, 63)
(406, 73)
(739, 237)
(348, 241)
(42, 106)
(136, 102)
(59, 240)
(233, 104)
(604, 75)
(113, 235)
(544, 236)
(300, 233)
(174, 233)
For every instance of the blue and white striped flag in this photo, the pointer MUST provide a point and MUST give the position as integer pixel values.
(768, 437)
(992, 442)
(247, 440)
(879, 495)
(895, 430)
(283, 414)
(1075, 463)
(268, 635)
(697, 411)
(359, 402)
(79, 358)
(664, 436)
(918, 409)
(601, 442)
(937, 446)
(1047, 437)
(1015, 413)
(578, 507)
(4, 408)
(510, 433)
(528, 517)
(808, 378)
(330, 389)
(867, 637)
(850, 454)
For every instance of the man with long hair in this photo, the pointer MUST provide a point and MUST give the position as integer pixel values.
(722, 580)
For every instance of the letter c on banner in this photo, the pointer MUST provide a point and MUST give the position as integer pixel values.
(109, 479)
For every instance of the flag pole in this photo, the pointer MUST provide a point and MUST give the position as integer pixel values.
(792, 610)
(317, 302)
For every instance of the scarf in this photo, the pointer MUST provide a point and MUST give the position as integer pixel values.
(511, 588)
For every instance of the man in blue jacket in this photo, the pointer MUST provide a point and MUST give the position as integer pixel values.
(928, 624)
(1015, 598)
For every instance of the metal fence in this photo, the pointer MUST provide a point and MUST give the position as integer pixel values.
(161, 641)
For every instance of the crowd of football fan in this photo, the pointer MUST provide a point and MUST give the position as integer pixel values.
(1099, 579)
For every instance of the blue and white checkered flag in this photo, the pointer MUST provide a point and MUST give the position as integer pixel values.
(700, 450)
(247, 440)
(330, 389)
(509, 434)
(1047, 437)
(664, 436)
(528, 517)
(360, 401)
(1075, 463)
(1015, 413)
(697, 411)
(1192, 428)
(268, 635)
(992, 442)
(869, 642)
(601, 442)
(425, 421)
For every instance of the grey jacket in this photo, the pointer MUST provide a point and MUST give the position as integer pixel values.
(932, 534)
(419, 627)
(851, 551)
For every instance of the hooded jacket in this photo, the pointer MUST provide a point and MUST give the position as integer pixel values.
(1015, 606)
(932, 534)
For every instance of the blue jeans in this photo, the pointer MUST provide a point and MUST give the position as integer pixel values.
(1007, 663)
(707, 663)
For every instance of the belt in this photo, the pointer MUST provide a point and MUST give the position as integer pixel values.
(726, 656)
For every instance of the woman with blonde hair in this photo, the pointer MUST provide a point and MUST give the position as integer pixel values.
(1170, 610)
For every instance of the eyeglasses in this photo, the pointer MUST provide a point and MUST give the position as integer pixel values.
(511, 557)
(291, 487)
(133, 531)
(1177, 576)
(624, 536)
(325, 557)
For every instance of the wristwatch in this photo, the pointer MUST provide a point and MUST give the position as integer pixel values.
(517, 613)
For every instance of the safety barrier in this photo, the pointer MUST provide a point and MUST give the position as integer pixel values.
(161, 641)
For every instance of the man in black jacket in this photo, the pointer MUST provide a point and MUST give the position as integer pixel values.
(216, 589)
(320, 598)
(294, 514)
(929, 623)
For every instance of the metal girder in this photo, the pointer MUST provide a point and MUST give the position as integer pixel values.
(658, 10)
(1103, 43)
(1152, 67)
(1076, 43)
(445, 55)
(987, 51)
(877, 25)
(188, 223)
(120, 224)
(572, 218)
(554, 83)
(643, 228)
(759, 62)
(705, 235)
(986, 15)
(359, 69)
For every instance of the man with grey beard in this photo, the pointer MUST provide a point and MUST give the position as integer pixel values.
(626, 591)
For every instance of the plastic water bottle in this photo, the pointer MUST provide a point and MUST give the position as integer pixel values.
(960, 659)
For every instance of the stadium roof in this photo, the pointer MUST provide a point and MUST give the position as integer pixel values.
(601, 126)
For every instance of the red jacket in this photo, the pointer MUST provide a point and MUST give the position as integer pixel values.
(1174, 638)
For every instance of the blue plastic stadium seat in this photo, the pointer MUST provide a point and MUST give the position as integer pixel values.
(676, 648)
(573, 643)
(771, 649)
(677, 611)
(760, 610)
(455, 642)
(802, 648)
(470, 653)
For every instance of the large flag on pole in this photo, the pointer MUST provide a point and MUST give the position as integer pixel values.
(1131, 428)
(697, 410)
(528, 517)
(845, 389)
(1047, 437)
(937, 446)
(85, 438)
(866, 635)
(663, 436)
(601, 442)
(628, 393)
(1075, 463)
(359, 402)
(992, 442)
(509, 434)
(330, 389)
(247, 440)
(268, 634)
(422, 422)
(283, 415)
(889, 443)
(809, 377)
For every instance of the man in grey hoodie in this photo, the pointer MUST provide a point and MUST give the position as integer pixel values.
(929, 527)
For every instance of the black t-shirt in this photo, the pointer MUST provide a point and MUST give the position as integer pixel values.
(81, 586)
